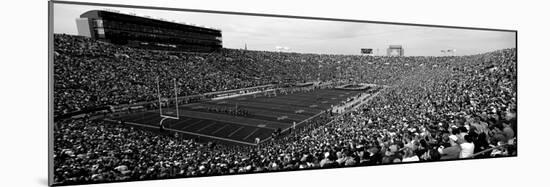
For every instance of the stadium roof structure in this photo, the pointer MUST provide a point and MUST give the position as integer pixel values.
(145, 20)
(146, 32)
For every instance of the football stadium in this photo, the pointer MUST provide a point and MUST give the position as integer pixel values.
(138, 98)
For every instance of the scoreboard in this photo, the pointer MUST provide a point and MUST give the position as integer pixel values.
(367, 51)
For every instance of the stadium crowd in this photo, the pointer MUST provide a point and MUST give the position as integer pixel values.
(436, 108)
(89, 73)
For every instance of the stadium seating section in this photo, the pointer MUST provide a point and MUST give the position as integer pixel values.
(436, 108)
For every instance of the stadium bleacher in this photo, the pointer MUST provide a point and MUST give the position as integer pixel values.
(435, 108)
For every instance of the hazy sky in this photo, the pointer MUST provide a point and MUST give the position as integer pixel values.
(315, 36)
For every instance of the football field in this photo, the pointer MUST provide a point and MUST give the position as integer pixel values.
(265, 115)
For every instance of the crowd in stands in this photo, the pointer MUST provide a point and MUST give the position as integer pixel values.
(435, 108)
(89, 73)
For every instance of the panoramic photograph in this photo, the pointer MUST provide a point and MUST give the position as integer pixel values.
(148, 94)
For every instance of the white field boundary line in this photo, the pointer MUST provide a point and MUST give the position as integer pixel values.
(186, 132)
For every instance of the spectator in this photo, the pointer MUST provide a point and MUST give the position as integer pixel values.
(467, 147)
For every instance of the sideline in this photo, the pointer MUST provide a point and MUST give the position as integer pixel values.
(185, 132)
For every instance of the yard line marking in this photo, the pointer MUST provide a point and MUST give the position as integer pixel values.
(212, 123)
(235, 131)
(219, 129)
(197, 122)
(251, 134)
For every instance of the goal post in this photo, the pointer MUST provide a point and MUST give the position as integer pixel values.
(169, 111)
